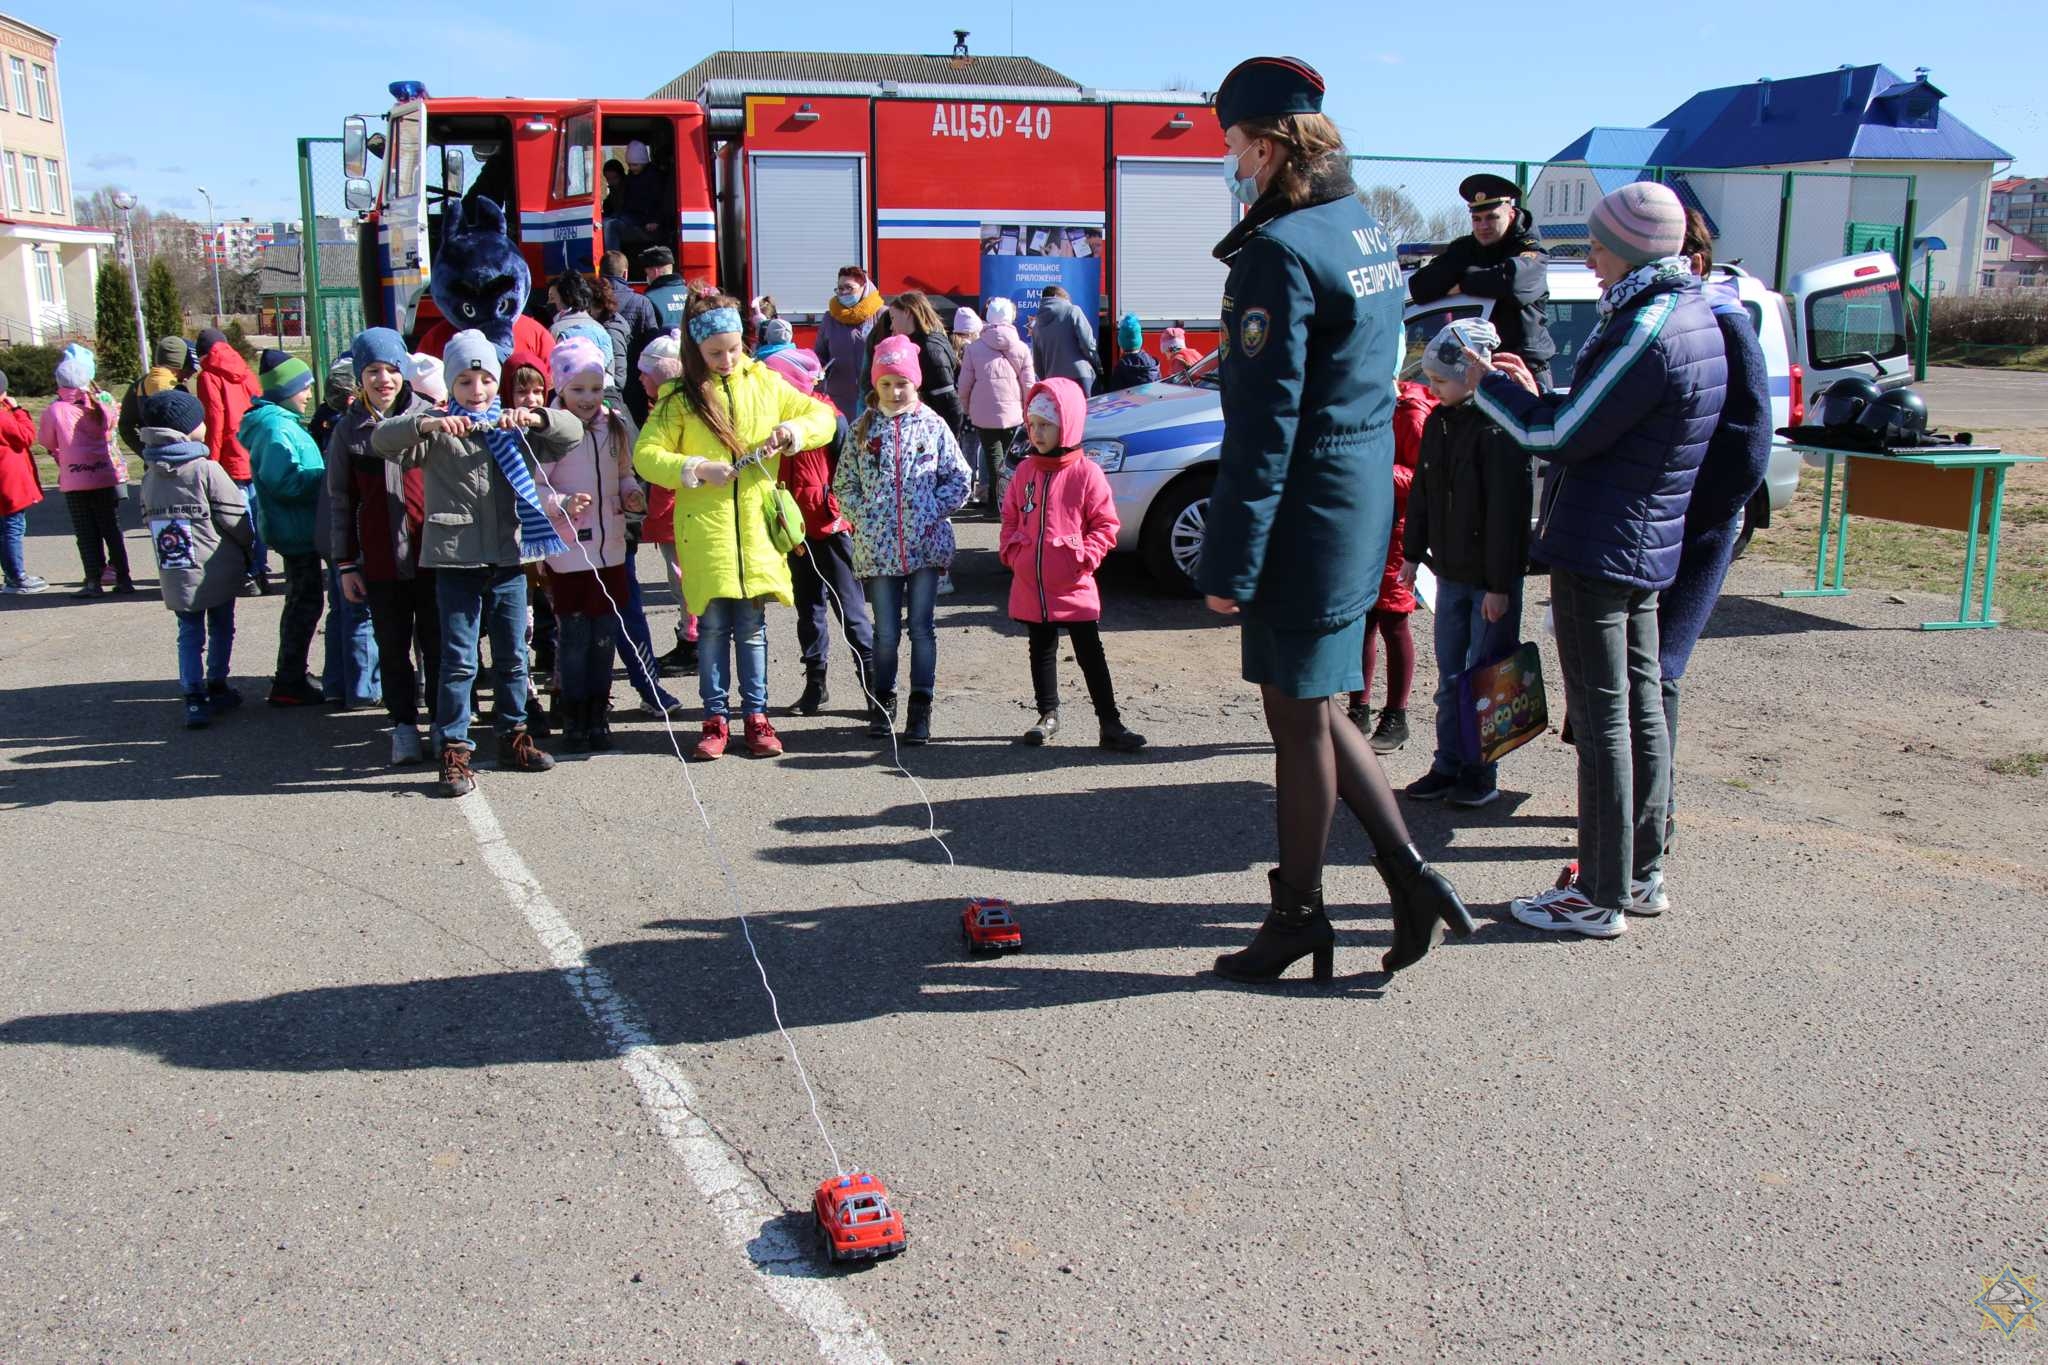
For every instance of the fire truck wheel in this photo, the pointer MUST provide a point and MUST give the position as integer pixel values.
(1172, 539)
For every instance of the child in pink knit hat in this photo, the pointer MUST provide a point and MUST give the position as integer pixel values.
(899, 479)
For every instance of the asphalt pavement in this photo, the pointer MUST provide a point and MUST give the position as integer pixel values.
(298, 1061)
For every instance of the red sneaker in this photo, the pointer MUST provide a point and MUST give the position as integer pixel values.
(762, 741)
(716, 734)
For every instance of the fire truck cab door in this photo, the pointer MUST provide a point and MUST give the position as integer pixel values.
(402, 265)
(566, 230)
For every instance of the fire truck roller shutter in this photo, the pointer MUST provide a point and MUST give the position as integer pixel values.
(807, 219)
(1169, 216)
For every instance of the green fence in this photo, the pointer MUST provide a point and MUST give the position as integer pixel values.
(333, 298)
(1773, 223)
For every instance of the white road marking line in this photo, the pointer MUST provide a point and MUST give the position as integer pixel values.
(746, 1212)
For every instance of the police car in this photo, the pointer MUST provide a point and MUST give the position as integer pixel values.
(1158, 443)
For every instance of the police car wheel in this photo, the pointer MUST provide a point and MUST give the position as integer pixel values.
(1172, 540)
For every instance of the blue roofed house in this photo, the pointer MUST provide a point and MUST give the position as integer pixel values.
(1866, 120)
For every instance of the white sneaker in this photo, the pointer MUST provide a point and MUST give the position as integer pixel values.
(405, 744)
(1647, 897)
(1565, 910)
(29, 583)
(946, 584)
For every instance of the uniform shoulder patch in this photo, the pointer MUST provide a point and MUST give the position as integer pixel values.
(1252, 332)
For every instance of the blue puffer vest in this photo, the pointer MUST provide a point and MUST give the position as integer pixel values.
(1626, 443)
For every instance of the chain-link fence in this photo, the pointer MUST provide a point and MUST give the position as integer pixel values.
(1773, 223)
(330, 301)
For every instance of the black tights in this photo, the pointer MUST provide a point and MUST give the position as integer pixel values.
(1319, 756)
(1045, 666)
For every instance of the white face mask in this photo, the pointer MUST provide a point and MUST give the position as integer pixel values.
(1245, 190)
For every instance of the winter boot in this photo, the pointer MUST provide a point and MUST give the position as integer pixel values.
(1422, 904)
(882, 716)
(198, 715)
(1360, 714)
(456, 777)
(598, 711)
(1119, 737)
(1392, 731)
(1295, 928)
(917, 728)
(815, 695)
(518, 752)
(575, 725)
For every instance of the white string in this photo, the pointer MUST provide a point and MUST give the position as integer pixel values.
(931, 815)
(732, 886)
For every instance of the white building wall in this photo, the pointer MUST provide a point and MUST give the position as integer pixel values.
(1955, 197)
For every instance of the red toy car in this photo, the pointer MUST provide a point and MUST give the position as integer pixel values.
(990, 927)
(855, 1219)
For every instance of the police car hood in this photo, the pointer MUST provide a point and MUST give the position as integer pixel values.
(1157, 415)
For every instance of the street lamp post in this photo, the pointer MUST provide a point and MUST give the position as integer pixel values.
(213, 253)
(126, 202)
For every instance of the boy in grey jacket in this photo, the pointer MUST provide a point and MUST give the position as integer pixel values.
(199, 526)
(483, 521)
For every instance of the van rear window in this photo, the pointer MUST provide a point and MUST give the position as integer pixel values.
(1856, 320)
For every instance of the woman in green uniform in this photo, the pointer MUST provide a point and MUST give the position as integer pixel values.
(1304, 499)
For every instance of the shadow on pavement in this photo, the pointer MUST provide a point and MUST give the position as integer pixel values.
(695, 984)
(1737, 618)
(127, 741)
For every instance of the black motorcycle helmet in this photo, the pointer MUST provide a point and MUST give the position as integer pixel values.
(1842, 404)
(1897, 418)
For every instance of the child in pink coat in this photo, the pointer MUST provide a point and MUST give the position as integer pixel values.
(1059, 524)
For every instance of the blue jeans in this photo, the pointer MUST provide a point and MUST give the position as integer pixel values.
(742, 625)
(259, 553)
(887, 599)
(211, 632)
(13, 527)
(472, 601)
(638, 642)
(1465, 639)
(351, 672)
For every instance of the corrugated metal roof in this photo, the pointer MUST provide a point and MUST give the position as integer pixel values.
(864, 67)
(1828, 116)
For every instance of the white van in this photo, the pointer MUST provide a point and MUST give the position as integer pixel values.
(1158, 443)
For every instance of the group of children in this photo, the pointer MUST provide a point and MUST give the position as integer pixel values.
(442, 513)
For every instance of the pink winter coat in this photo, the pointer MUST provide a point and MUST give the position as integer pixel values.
(1059, 522)
(76, 430)
(995, 374)
(592, 466)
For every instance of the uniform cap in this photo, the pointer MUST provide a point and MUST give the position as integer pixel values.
(1268, 87)
(1484, 191)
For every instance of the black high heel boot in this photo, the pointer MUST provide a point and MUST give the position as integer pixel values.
(1295, 928)
(1423, 906)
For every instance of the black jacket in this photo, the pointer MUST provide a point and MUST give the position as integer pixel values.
(1512, 272)
(1132, 368)
(1469, 506)
(940, 385)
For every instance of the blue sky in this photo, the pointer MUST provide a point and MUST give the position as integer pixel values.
(162, 98)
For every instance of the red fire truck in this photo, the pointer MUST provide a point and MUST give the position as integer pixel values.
(776, 185)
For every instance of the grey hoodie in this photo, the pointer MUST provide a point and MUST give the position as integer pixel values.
(193, 510)
(1063, 344)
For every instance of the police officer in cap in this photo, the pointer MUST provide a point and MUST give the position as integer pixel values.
(1500, 259)
(1303, 503)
